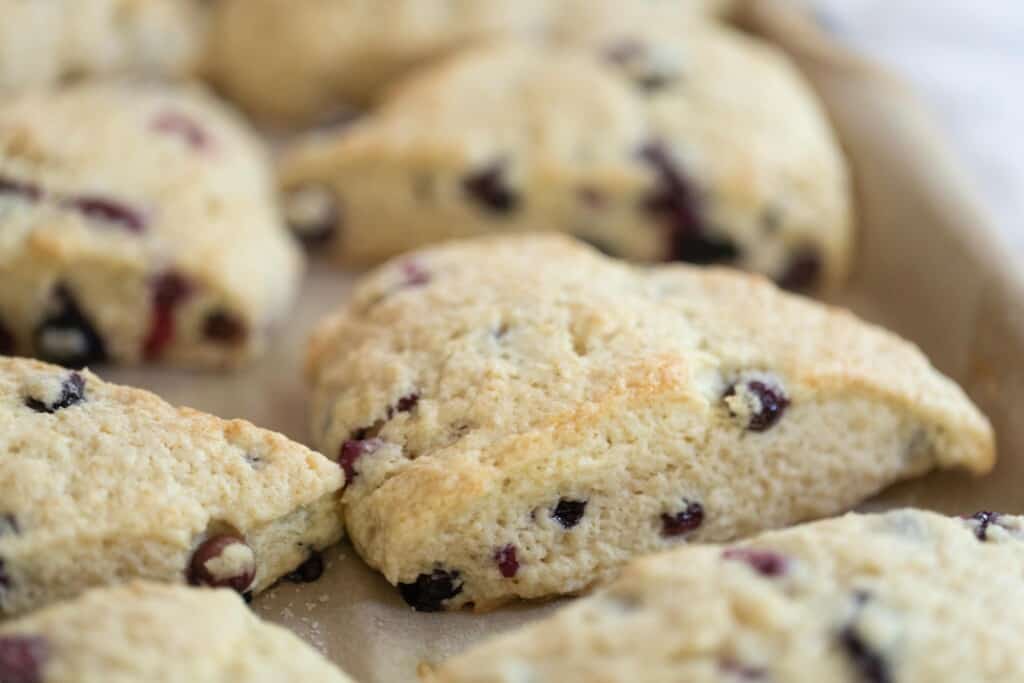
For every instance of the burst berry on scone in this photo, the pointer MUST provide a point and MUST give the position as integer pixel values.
(102, 483)
(660, 143)
(519, 416)
(908, 597)
(52, 42)
(137, 224)
(158, 634)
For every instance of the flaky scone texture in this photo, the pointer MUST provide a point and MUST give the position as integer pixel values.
(142, 219)
(906, 596)
(679, 141)
(159, 634)
(47, 43)
(521, 415)
(102, 483)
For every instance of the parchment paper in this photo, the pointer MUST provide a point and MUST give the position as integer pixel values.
(929, 268)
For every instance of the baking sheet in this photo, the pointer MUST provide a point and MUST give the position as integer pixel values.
(928, 268)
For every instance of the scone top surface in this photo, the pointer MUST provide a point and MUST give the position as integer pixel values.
(103, 482)
(153, 633)
(133, 197)
(682, 141)
(529, 393)
(906, 596)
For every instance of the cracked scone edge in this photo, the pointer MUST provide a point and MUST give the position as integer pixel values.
(450, 390)
(105, 482)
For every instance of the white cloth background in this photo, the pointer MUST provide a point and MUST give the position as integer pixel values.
(966, 60)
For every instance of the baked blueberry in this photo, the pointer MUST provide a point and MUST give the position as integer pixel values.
(22, 658)
(309, 571)
(690, 518)
(313, 213)
(106, 210)
(505, 558)
(66, 336)
(72, 392)
(429, 592)
(568, 513)
(489, 188)
(223, 561)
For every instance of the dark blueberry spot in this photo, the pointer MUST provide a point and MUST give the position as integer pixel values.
(683, 522)
(429, 591)
(674, 202)
(66, 337)
(108, 211)
(568, 513)
(772, 403)
(505, 557)
(72, 391)
(169, 290)
(350, 453)
(803, 271)
(983, 520)
(21, 188)
(313, 213)
(309, 571)
(247, 597)
(177, 123)
(5, 578)
(488, 187)
(23, 658)
(9, 525)
(869, 664)
(404, 405)
(222, 327)
(764, 562)
(6, 341)
(238, 577)
(742, 672)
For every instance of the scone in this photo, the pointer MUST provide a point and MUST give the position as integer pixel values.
(102, 483)
(153, 633)
(290, 61)
(519, 416)
(657, 144)
(137, 224)
(907, 596)
(54, 41)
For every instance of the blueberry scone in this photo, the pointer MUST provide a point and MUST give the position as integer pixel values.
(102, 483)
(699, 145)
(48, 42)
(347, 52)
(518, 416)
(137, 224)
(157, 634)
(907, 596)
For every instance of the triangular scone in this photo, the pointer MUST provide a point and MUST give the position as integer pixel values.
(521, 415)
(49, 43)
(685, 141)
(158, 634)
(101, 483)
(137, 223)
(906, 596)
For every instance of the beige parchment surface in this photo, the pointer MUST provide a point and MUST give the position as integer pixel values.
(928, 267)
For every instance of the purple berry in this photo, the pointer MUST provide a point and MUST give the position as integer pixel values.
(72, 392)
(23, 658)
(764, 562)
(674, 203)
(568, 513)
(688, 519)
(224, 328)
(309, 571)
(200, 574)
(169, 290)
(772, 400)
(489, 188)
(505, 557)
(350, 453)
(67, 337)
(313, 213)
(404, 405)
(106, 210)
(982, 522)
(429, 592)
(10, 186)
(869, 664)
(803, 271)
(183, 126)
